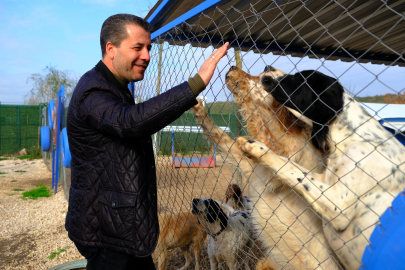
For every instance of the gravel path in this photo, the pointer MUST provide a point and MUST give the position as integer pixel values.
(31, 230)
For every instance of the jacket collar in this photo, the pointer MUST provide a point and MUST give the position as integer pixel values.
(109, 76)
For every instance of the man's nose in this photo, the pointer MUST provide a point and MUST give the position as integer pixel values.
(145, 56)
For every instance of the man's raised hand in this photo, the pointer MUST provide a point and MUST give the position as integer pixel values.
(208, 67)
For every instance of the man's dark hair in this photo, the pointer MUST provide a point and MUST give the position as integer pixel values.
(114, 29)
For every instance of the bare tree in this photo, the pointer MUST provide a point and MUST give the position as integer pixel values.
(46, 85)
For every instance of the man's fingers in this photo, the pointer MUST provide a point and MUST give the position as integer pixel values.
(219, 53)
(207, 69)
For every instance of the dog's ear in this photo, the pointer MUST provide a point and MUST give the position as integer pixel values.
(237, 192)
(326, 104)
(215, 212)
(315, 95)
(212, 210)
(233, 191)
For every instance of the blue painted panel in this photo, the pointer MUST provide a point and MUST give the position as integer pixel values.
(387, 248)
(400, 136)
(61, 91)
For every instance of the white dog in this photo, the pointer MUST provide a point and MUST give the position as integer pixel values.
(227, 235)
(365, 163)
(287, 225)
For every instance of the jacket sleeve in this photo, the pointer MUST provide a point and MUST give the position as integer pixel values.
(106, 113)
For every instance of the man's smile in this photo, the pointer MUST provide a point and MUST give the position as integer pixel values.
(141, 66)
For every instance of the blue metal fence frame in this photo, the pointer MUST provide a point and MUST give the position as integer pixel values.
(56, 152)
(206, 6)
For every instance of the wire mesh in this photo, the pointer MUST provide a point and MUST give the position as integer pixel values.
(313, 189)
(19, 127)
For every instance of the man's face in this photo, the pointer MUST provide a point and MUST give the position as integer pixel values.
(132, 57)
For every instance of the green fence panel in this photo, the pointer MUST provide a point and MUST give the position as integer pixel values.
(19, 127)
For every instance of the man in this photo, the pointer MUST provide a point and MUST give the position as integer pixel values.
(112, 216)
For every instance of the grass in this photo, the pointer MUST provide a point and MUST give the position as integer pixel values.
(33, 153)
(13, 180)
(3, 159)
(25, 157)
(56, 253)
(3, 172)
(21, 171)
(18, 189)
(10, 194)
(40, 191)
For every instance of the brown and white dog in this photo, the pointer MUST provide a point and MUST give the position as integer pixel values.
(228, 235)
(365, 164)
(281, 218)
(235, 199)
(180, 231)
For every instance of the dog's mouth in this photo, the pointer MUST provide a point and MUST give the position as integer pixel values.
(227, 77)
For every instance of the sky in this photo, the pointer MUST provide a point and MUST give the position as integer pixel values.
(61, 33)
(65, 35)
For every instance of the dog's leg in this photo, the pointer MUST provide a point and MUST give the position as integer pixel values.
(250, 252)
(231, 262)
(225, 143)
(162, 259)
(212, 250)
(266, 264)
(197, 245)
(338, 210)
(186, 253)
(213, 263)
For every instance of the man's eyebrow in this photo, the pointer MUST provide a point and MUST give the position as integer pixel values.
(140, 44)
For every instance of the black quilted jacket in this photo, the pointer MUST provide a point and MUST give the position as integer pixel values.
(113, 199)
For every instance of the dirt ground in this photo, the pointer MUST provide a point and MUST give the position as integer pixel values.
(31, 230)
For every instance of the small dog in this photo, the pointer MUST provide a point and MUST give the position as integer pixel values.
(234, 198)
(228, 235)
(180, 231)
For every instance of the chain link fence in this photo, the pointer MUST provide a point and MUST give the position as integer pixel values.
(317, 170)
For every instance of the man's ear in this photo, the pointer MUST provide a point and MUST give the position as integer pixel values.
(110, 50)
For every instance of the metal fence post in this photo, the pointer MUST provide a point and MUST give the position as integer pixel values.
(19, 127)
(155, 136)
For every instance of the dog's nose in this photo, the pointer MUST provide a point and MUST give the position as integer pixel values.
(269, 68)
